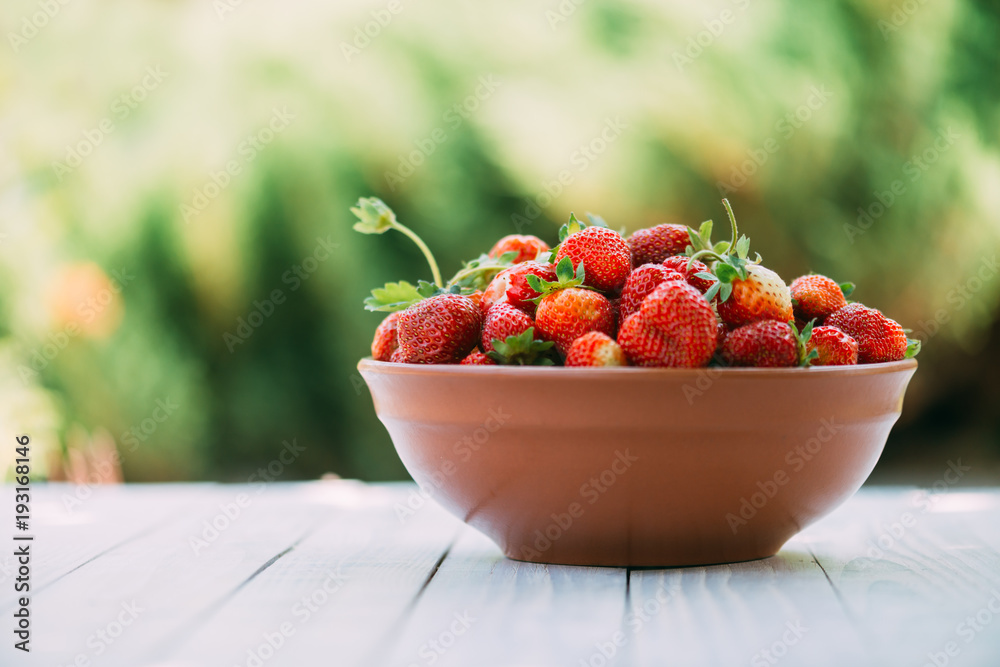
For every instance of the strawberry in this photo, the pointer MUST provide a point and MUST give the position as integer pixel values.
(603, 252)
(511, 286)
(721, 332)
(385, 341)
(526, 247)
(879, 338)
(675, 326)
(441, 329)
(679, 263)
(762, 343)
(477, 358)
(595, 349)
(501, 321)
(762, 295)
(816, 297)
(397, 357)
(567, 311)
(655, 244)
(523, 349)
(641, 282)
(833, 347)
(747, 291)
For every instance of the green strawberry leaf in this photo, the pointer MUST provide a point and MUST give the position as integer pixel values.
(713, 290)
(572, 227)
(721, 248)
(477, 273)
(596, 220)
(725, 292)
(847, 289)
(393, 297)
(374, 216)
(725, 272)
(546, 257)
(521, 350)
(564, 269)
(913, 346)
(704, 275)
(802, 338)
(743, 247)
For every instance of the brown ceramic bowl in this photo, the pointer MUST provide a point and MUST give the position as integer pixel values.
(637, 466)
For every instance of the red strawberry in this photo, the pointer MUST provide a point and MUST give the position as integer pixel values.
(397, 357)
(511, 285)
(385, 341)
(879, 338)
(762, 343)
(653, 245)
(679, 263)
(721, 332)
(566, 314)
(503, 320)
(640, 283)
(833, 347)
(595, 349)
(675, 326)
(816, 297)
(604, 254)
(762, 296)
(439, 330)
(477, 358)
(526, 247)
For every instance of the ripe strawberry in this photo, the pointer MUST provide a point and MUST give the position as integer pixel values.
(640, 283)
(816, 297)
(680, 263)
(439, 330)
(604, 254)
(385, 341)
(721, 332)
(511, 285)
(879, 338)
(397, 357)
(655, 244)
(526, 247)
(595, 349)
(762, 343)
(833, 347)
(675, 326)
(477, 358)
(566, 314)
(503, 320)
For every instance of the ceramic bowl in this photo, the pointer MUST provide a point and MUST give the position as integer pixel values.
(637, 466)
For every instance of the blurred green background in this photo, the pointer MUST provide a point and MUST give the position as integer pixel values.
(167, 166)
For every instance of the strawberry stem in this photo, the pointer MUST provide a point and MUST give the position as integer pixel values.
(435, 272)
(732, 222)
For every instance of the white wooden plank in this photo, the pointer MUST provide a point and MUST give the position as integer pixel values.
(912, 567)
(483, 609)
(163, 579)
(338, 594)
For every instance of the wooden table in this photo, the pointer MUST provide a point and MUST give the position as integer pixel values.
(334, 573)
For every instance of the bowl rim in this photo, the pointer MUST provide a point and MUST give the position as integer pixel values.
(457, 370)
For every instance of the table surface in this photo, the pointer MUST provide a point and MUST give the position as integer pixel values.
(336, 573)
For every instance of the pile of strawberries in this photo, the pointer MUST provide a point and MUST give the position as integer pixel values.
(665, 296)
